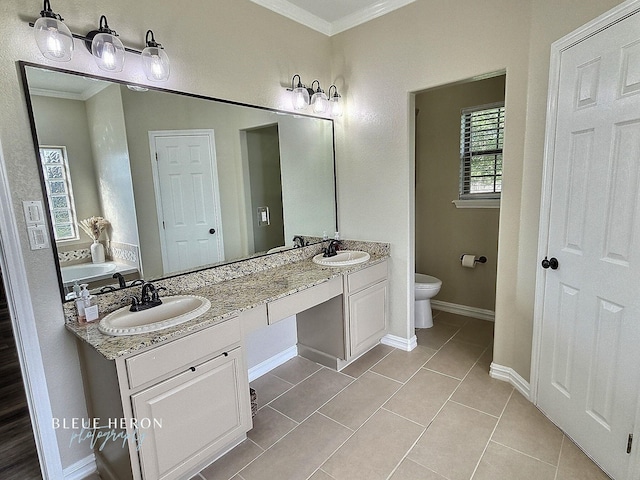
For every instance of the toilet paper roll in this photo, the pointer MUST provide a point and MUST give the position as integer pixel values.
(469, 261)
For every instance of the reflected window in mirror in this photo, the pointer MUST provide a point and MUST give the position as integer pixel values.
(55, 168)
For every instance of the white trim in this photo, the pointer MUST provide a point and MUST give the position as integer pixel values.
(81, 469)
(479, 313)
(399, 342)
(477, 203)
(508, 374)
(26, 334)
(82, 96)
(300, 15)
(557, 48)
(272, 362)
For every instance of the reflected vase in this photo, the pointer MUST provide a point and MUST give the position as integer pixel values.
(97, 252)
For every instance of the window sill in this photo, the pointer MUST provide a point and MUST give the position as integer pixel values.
(478, 203)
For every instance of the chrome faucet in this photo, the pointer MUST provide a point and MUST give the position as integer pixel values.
(149, 298)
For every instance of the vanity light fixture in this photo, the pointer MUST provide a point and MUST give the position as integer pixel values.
(55, 41)
(303, 96)
(335, 104)
(106, 47)
(300, 94)
(319, 100)
(155, 61)
(53, 37)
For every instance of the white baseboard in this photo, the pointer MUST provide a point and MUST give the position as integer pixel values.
(509, 375)
(399, 342)
(480, 313)
(273, 362)
(81, 469)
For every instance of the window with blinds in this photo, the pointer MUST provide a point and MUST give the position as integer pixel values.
(481, 140)
(58, 185)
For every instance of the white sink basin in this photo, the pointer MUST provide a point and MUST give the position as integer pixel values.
(173, 311)
(342, 258)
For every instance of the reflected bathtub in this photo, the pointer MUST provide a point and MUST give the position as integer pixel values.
(86, 272)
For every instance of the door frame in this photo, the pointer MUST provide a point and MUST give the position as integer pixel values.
(26, 335)
(153, 134)
(602, 22)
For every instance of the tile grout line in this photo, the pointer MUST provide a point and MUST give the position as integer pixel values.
(484, 450)
(528, 454)
(560, 456)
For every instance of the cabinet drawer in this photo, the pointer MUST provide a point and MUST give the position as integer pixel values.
(368, 276)
(301, 301)
(182, 353)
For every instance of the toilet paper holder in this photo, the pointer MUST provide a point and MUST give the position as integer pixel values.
(481, 259)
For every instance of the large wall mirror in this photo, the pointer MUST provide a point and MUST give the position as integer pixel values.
(184, 181)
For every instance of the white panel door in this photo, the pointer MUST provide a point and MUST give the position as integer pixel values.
(189, 206)
(589, 367)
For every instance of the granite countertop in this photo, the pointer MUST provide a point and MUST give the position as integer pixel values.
(228, 298)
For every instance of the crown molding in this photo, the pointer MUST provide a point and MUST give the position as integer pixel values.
(297, 14)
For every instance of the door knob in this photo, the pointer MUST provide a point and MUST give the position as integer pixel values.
(212, 231)
(550, 263)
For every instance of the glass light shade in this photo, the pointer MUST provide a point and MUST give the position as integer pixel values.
(300, 98)
(335, 106)
(54, 39)
(108, 52)
(155, 63)
(319, 102)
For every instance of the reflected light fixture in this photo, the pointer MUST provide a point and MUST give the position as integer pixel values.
(319, 100)
(106, 47)
(53, 37)
(335, 103)
(155, 61)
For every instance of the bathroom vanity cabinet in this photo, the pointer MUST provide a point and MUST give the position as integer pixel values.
(337, 320)
(185, 402)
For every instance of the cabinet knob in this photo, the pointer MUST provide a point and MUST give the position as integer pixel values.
(193, 369)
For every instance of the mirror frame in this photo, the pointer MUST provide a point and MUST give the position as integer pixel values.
(54, 249)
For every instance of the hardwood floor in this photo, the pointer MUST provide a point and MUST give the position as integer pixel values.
(18, 457)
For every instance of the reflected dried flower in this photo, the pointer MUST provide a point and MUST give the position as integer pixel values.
(94, 226)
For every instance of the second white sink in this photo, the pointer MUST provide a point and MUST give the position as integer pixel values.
(342, 259)
(174, 310)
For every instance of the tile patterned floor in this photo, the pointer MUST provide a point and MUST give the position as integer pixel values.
(432, 413)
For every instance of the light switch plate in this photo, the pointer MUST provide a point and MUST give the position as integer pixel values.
(263, 216)
(38, 237)
(33, 212)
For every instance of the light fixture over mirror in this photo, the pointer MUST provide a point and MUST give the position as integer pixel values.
(155, 61)
(55, 41)
(319, 100)
(53, 37)
(321, 104)
(106, 47)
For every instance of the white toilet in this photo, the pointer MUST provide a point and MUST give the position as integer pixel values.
(426, 288)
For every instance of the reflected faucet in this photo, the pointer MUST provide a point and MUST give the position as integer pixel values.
(121, 281)
(298, 242)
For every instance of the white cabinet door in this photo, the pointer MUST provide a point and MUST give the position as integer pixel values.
(367, 317)
(200, 411)
(588, 370)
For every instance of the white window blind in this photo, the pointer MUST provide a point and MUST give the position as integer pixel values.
(58, 185)
(481, 141)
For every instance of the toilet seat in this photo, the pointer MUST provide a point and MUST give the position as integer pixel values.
(427, 281)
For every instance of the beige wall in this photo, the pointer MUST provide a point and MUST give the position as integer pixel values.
(444, 232)
(421, 46)
(237, 50)
(73, 133)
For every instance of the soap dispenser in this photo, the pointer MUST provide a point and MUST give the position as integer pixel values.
(90, 305)
(80, 302)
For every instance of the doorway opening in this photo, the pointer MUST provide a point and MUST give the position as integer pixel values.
(449, 222)
(18, 457)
